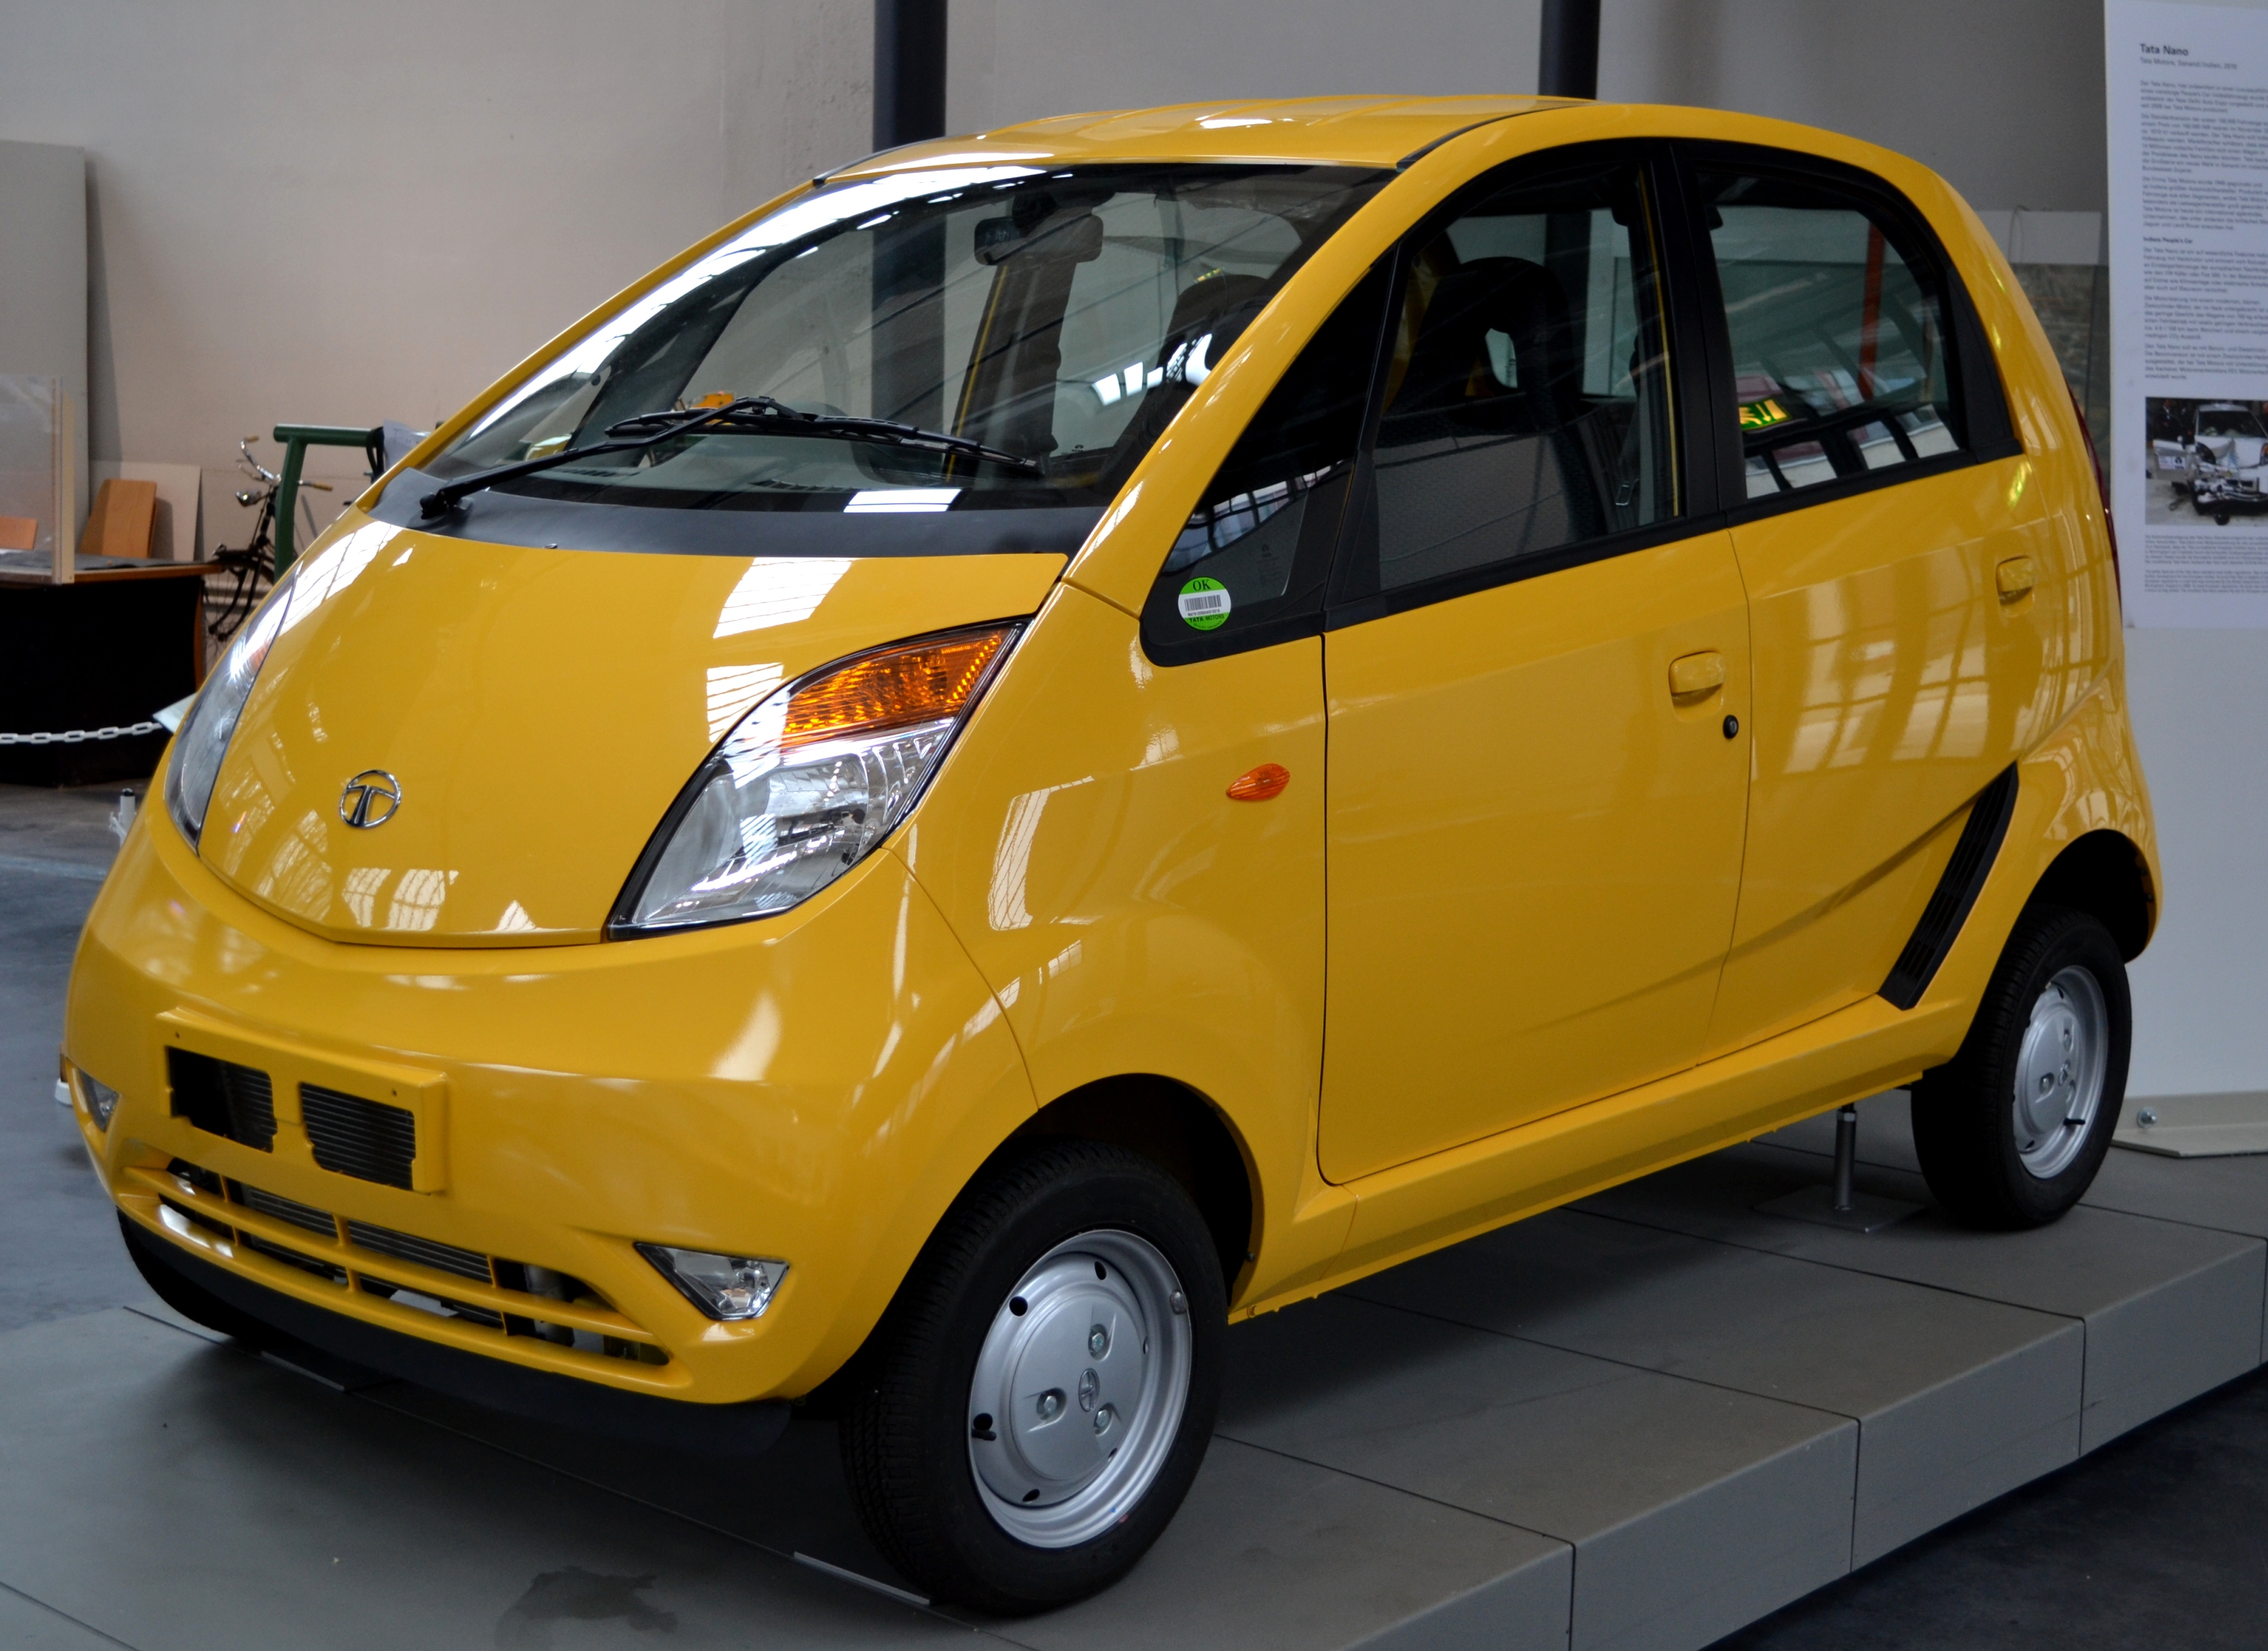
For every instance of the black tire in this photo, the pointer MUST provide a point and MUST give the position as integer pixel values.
(192, 1301)
(906, 1426)
(2220, 518)
(1965, 1123)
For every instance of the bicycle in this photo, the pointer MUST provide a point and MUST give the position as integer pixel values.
(254, 566)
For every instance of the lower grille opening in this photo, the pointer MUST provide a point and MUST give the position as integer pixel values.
(469, 1263)
(439, 1306)
(203, 1180)
(367, 1139)
(190, 1218)
(286, 1209)
(223, 1098)
(329, 1272)
(565, 1287)
(524, 1276)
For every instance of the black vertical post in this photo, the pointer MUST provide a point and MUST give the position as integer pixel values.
(1567, 66)
(908, 336)
(909, 71)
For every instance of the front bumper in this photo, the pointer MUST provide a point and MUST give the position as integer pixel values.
(712, 1430)
(815, 1087)
(2222, 488)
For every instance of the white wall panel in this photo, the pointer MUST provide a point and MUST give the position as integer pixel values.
(338, 213)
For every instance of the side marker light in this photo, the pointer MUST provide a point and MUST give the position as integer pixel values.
(1258, 785)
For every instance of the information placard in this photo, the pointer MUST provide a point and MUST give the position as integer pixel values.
(2188, 92)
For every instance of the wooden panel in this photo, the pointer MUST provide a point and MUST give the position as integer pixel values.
(124, 518)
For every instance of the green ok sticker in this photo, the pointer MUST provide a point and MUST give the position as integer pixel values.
(1205, 605)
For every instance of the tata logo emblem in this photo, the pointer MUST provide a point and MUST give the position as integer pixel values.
(370, 799)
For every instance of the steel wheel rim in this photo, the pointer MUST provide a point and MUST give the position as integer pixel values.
(1079, 1389)
(2059, 1072)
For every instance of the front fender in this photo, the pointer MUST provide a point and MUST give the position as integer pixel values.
(1133, 917)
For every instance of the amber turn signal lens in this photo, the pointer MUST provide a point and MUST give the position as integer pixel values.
(1259, 784)
(927, 681)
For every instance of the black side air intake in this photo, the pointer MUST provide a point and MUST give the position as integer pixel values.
(223, 1098)
(368, 1140)
(1955, 893)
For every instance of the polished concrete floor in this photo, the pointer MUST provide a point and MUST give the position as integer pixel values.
(2159, 1536)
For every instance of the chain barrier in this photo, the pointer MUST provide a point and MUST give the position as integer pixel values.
(81, 736)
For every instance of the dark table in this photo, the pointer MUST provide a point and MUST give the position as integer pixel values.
(84, 663)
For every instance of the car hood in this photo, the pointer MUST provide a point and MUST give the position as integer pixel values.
(2233, 452)
(537, 711)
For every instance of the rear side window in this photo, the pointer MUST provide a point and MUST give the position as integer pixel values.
(1248, 567)
(1839, 322)
(1526, 401)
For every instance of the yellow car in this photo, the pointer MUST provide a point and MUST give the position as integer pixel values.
(1062, 737)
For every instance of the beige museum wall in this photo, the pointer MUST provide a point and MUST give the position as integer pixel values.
(338, 213)
(2004, 96)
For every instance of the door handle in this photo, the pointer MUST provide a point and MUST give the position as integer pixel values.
(1696, 674)
(2016, 578)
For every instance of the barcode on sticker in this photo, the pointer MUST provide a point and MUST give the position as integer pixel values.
(1201, 602)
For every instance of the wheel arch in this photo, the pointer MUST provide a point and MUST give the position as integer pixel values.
(2106, 874)
(1183, 1133)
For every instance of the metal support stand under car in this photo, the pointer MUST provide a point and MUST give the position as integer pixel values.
(1841, 1204)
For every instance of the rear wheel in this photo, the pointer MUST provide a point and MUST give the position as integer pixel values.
(1040, 1396)
(2011, 1131)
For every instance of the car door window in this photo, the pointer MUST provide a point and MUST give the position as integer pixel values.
(1248, 567)
(1527, 396)
(1838, 327)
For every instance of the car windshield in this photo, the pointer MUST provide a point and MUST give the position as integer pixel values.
(2229, 422)
(1059, 316)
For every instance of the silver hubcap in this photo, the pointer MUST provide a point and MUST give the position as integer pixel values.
(2059, 1072)
(1079, 1389)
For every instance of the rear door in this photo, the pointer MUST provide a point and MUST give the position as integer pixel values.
(1536, 658)
(1879, 494)
(1883, 493)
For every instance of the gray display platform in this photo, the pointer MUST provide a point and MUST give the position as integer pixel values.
(1639, 1422)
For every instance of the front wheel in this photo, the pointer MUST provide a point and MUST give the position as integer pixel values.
(1039, 1398)
(2011, 1131)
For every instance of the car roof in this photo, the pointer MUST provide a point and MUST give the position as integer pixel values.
(1330, 131)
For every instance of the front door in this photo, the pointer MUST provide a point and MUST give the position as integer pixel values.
(1537, 679)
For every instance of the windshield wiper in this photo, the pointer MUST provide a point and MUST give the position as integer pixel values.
(759, 413)
(762, 413)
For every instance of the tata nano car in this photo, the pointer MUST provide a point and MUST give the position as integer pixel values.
(1063, 737)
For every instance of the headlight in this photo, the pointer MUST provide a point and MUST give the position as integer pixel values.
(205, 732)
(808, 782)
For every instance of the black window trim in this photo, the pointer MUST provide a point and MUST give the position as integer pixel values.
(1987, 431)
(1694, 436)
(1333, 496)
(1712, 480)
